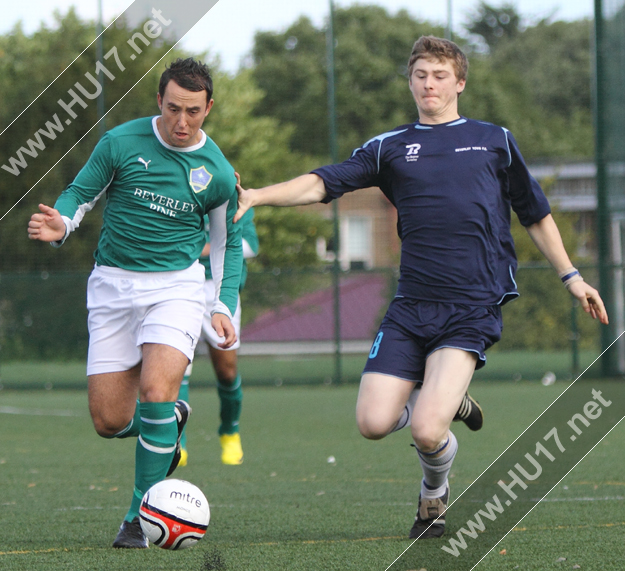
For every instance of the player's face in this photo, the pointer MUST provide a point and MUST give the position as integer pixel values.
(435, 89)
(182, 115)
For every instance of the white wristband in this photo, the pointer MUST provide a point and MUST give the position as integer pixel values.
(570, 276)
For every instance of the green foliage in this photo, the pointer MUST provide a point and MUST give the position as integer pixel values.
(554, 60)
(293, 235)
(372, 49)
(495, 23)
(271, 123)
(43, 316)
(256, 145)
(534, 81)
(29, 65)
(498, 93)
(541, 319)
(258, 148)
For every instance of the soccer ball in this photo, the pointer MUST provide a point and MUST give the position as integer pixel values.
(174, 514)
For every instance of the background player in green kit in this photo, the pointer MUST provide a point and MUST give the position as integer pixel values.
(161, 176)
(224, 361)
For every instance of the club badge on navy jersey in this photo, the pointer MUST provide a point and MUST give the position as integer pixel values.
(413, 152)
(199, 179)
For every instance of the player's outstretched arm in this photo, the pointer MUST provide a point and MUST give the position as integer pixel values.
(305, 189)
(546, 236)
(46, 225)
(224, 328)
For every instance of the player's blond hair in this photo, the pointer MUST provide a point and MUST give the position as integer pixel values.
(439, 49)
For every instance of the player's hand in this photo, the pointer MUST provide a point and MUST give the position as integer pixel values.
(47, 225)
(223, 327)
(245, 199)
(590, 299)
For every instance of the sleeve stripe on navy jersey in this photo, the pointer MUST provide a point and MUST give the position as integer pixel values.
(379, 138)
(505, 132)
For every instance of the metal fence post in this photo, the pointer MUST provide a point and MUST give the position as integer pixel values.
(335, 211)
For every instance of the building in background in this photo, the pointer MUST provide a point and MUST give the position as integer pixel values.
(368, 221)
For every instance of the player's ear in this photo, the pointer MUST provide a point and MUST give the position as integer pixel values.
(159, 101)
(209, 107)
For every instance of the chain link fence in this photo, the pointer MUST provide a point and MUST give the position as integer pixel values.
(288, 328)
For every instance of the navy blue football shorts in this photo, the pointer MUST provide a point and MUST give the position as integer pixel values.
(413, 329)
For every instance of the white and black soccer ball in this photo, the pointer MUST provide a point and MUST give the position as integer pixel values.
(174, 514)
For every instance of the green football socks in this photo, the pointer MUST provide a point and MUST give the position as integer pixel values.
(230, 399)
(155, 448)
(132, 428)
(183, 394)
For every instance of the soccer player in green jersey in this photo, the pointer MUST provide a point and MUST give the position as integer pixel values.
(145, 296)
(224, 361)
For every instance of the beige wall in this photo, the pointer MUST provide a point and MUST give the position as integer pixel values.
(372, 204)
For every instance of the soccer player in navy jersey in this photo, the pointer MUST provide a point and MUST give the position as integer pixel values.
(454, 182)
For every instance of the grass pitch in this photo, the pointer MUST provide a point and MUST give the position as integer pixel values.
(65, 490)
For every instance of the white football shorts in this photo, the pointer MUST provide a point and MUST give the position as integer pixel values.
(128, 309)
(208, 333)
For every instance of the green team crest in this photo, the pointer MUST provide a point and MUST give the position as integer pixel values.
(199, 179)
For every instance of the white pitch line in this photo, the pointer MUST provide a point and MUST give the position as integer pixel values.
(36, 411)
(586, 499)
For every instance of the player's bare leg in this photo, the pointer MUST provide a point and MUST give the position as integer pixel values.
(112, 400)
(381, 403)
(161, 372)
(448, 373)
(447, 376)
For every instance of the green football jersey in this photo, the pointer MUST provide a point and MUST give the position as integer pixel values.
(156, 198)
(248, 234)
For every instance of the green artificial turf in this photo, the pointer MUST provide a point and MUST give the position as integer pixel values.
(64, 490)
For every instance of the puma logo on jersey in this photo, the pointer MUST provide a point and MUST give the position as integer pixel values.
(142, 161)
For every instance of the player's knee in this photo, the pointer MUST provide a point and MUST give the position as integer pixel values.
(427, 437)
(226, 372)
(227, 376)
(107, 426)
(158, 394)
(372, 428)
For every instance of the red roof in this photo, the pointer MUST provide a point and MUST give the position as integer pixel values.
(363, 300)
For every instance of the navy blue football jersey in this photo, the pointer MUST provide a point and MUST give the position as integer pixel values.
(453, 186)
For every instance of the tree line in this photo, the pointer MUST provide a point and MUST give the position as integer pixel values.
(271, 119)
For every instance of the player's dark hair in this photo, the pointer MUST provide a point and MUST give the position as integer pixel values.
(189, 74)
(439, 49)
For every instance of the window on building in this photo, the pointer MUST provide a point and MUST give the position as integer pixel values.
(356, 251)
(356, 242)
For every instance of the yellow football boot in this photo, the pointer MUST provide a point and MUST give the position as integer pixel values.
(231, 451)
